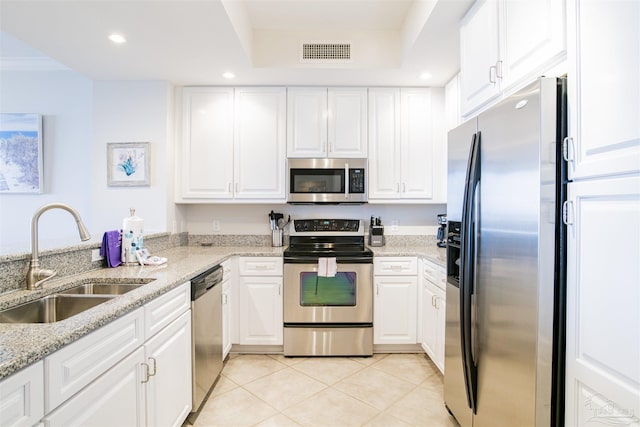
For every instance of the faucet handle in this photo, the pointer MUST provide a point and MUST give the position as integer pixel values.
(41, 275)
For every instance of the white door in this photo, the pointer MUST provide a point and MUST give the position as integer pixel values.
(417, 147)
(347, 122)
(384, 143)
(604, 87)
(260, 143)
(261, 310)
(395, 309)
(307, 122)
(603, 303)
(117, 398)
(206, 154)
(479, 55)
(168, 356)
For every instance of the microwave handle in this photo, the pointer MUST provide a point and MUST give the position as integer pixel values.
(346, 181)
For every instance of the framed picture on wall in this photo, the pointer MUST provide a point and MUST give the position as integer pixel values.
(21, 164)
(128, 164)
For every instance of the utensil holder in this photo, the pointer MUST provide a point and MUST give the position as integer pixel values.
(276, 237)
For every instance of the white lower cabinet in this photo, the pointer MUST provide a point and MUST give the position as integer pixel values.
(168, 386)
(395, 300)
(603, 303)
(117, 398)
(433, 300)
(22, 397)
(113, 377)
(260, 300)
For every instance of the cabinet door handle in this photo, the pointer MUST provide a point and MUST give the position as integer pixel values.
(236, 188)
(567, 212)
(404, 188)
(229, 188)
(155, 367)
(492, 79)
(377, 289)
(433, 300)
(499, 69)
(568, 149)
(145, 372)
(396, 267)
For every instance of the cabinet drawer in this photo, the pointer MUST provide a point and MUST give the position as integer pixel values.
(73, 367)
(430, 270)
(394, 266)
(260, 266)
(166, 308)
(22, 397)
(434, 273)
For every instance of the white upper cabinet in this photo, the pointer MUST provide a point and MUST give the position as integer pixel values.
(260, 143)
(505, 43)
(604, 88)
(327, 122)
(206, 166)
(479, 55)
(233, 144)
(307, 122)
(406, 155)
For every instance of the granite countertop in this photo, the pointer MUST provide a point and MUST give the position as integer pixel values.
(24, 344)
(434, 253)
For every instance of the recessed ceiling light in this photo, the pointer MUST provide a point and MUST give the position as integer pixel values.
(425, 76)
(228, 75)
(117, 38)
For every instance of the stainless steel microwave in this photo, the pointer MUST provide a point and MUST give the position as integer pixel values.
(327, 181)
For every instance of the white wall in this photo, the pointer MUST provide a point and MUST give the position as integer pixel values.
(133, 111)
(64, 99)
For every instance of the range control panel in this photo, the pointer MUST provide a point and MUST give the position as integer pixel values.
(333, 225)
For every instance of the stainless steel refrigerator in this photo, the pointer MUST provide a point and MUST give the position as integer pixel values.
(504, 339)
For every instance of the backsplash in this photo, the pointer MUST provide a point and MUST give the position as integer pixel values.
(71, 260)
(77, 259)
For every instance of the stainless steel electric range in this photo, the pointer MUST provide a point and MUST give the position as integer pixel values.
(328, 311)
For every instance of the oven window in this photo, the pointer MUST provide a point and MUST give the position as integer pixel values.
(328, 291)
(313, 181)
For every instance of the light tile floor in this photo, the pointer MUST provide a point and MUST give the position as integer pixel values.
(272, 390)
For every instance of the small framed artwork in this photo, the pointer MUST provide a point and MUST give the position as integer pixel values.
(21, 153)
(128, 164)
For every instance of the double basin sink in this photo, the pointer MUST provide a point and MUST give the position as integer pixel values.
(67, 303)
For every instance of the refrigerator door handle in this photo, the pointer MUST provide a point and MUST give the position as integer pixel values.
(467, 255)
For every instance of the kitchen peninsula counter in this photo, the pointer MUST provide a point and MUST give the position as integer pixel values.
(24, 344)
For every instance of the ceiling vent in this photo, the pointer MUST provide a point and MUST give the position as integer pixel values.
(325, 52)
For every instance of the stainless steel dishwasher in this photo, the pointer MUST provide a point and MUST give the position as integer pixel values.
(206, 333)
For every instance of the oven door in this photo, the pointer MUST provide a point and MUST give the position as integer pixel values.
(345, 298)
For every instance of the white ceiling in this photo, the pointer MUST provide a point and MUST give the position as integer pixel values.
(192, 42)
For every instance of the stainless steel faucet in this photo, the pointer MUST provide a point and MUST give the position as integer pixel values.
(36, 276)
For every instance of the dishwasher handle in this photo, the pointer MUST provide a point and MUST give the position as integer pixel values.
(205, 281)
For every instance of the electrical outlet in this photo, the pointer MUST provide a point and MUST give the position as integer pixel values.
(216, 225)
(95, 255)
(394, 225)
